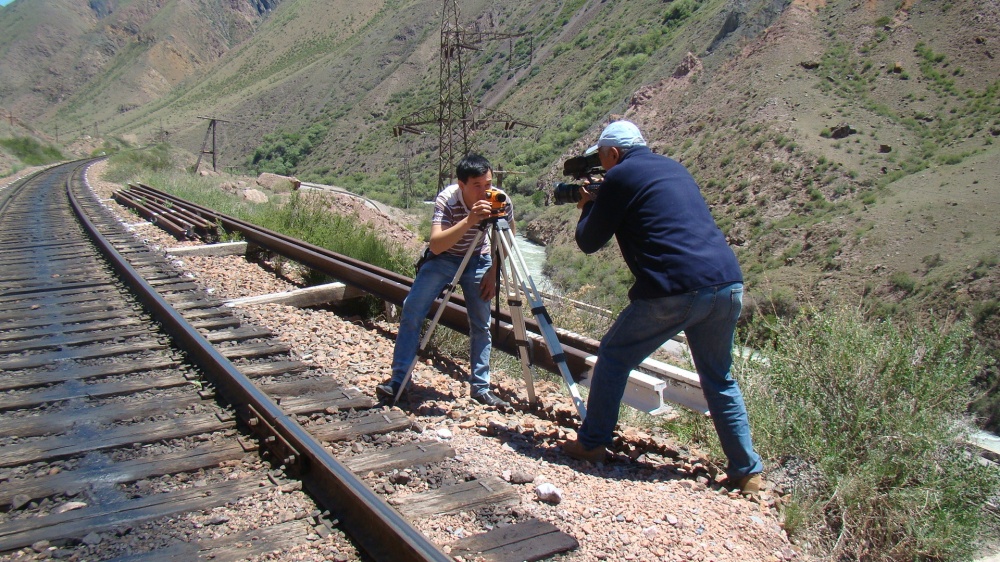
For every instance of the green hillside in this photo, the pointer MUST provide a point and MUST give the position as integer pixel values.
(847, 148)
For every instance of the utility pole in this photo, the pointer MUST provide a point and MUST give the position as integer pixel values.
(212, 122)
(499, 174)
(455, 114)
(407, 178)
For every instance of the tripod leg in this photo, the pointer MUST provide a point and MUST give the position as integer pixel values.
(522, 346)
(450, 289)
(522, 279)
(520, 334)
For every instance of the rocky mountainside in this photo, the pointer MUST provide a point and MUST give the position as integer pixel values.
(141, 67)
(85, 61)
(847, 147)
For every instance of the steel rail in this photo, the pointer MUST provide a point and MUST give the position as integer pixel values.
(375, 526)
(201, 227)
(156, 215)
(193, 218)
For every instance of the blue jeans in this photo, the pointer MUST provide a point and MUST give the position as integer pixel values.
(708, 318)
(432, 278)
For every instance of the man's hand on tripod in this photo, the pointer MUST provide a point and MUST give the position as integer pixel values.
(488, 286)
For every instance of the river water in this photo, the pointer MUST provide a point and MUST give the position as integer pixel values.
(534, 258)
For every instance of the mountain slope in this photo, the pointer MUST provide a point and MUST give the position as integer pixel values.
(80, 64)
(845, 147)
(360, 69)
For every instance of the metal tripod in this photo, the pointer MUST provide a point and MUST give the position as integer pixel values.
(516, 280)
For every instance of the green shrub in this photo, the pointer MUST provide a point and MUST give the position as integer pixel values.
(678, 12)
(902, 281)
(949, 159)
(31, 152)
(127, 165)
(280, 153)
(931, 261)
(878, 412)
(569, 269)
(983, 312)
(773, 304)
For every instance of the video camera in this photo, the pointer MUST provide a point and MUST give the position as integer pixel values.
(579, 167)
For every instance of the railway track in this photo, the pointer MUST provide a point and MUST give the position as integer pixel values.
(140, 420)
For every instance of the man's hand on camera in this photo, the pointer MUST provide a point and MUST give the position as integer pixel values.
(585, 196)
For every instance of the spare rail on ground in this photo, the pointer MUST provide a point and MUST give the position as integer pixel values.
(175, 219)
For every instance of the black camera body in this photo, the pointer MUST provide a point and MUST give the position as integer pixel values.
(579, 167)
(584, 166)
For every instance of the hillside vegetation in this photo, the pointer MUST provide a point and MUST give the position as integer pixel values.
(847, 148)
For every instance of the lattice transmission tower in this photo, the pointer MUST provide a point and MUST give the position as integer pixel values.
(456, 116)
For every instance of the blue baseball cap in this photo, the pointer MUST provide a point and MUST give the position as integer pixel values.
(620, 134)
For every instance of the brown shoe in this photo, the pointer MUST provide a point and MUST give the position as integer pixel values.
(576, 450)
(751, 484)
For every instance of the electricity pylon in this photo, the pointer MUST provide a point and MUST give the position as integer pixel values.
(455, 115)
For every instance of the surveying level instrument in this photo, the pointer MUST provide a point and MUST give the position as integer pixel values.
(516, 281)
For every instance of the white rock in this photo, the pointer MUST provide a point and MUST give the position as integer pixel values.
(548, 493)
(69, 506)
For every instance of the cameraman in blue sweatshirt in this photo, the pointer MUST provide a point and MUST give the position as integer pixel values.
(686, 279)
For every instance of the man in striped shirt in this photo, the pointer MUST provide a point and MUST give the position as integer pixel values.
(459, 211)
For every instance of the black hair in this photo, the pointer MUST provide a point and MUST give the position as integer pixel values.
(472, 166)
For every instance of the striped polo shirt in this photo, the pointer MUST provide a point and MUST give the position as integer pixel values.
(450, 209)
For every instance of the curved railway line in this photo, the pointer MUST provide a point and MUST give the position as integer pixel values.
(106, 350)
(140, 419)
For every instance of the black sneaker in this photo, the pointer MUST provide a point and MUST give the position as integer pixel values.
(387, 390)
(489, 399)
